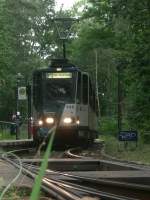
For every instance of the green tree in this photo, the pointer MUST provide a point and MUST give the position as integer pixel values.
(23, 24)
(120, 31)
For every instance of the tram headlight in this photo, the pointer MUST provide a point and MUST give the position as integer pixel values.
(49, 120)
(40, 122)
(78, 122)
(68, 120)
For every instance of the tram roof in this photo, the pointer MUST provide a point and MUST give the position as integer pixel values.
(59, 64)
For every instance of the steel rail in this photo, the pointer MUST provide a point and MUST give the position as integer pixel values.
(102, 181)
(14, 179)
(105, 182)
(48, 187)
(31, 175)
(138, 166)
(50, 184)
(84, 189)
(71, 155)
(89, 191)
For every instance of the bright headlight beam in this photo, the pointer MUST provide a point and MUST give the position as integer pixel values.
(67, 120)
(40, 122)
(50, 120)
(78, 122)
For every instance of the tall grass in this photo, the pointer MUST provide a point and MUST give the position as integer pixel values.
(38, 180)
(109, 133)
(132, 152)
(6, 135)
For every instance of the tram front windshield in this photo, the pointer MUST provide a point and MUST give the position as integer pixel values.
(59, 88)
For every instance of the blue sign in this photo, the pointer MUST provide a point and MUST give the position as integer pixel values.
(128, 136)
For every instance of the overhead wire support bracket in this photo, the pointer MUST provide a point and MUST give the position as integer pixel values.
(64, 27)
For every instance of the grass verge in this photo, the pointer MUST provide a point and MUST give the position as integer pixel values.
(16, 193)
(38, 180)
(140, 154)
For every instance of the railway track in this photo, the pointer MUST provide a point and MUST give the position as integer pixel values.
(78, 153)
(85, 177)
(62, 189)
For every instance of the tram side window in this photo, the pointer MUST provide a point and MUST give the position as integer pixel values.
(84, 89)
(79, 88)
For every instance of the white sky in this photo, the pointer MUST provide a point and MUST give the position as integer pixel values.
(67, 4)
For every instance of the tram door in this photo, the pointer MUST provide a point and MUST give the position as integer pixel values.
(82, 107)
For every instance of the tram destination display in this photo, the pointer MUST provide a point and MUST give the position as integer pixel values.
(59, 75)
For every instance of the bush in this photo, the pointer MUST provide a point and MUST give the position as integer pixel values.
(108, 126)
(146, 137)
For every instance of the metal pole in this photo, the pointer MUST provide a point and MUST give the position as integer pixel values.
(17, 107)
(96, 78)
(119, 99)
(29, 110)
(64, 49)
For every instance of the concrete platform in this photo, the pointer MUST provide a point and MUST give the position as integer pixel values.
(84, 165)
(114, 174)
(9, 172)
(24, 142)
(135, 176)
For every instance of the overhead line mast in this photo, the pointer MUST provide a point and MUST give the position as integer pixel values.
(64, 27)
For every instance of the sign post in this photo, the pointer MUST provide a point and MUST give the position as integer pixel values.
(22, 94)
(128, 136)
(19, 96)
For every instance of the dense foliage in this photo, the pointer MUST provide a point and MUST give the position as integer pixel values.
(119, 31)
(110, 33)
(23, 31)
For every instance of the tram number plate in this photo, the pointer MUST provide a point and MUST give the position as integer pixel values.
(128, 136)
